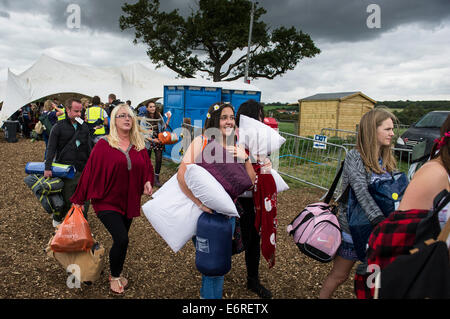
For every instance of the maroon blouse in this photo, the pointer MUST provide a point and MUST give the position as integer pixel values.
(114, 180)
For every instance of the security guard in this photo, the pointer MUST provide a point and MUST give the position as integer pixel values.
(95, 113)
(60, 110)
(63, 115)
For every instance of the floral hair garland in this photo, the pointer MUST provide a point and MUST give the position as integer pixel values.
(441, 141)
(216, 107)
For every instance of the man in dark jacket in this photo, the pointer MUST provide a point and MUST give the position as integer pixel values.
(69, 143)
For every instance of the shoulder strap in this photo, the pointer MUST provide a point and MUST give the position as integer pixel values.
(333, 186)
(204, 142)
(441, 200)
(74, 137)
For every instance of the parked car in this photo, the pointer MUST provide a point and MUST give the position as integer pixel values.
(426, 129)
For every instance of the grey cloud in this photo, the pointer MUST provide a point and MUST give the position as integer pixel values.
(329, 20)
(4, 14)
(346, 20)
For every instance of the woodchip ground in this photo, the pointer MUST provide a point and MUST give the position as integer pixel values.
(153, 269)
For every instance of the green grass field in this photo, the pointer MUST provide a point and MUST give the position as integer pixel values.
(287, 127)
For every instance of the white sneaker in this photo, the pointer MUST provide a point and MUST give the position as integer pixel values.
(56, 223)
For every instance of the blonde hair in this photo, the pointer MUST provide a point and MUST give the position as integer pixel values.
(367, 141)
(136, 138)
(48, 105)
(85, 102)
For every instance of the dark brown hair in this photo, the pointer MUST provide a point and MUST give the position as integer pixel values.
(96, 100)
(213, 120)
(444, 150)
(156, 115)
(252, 109)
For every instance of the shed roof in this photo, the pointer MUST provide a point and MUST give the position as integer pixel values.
(338, 96)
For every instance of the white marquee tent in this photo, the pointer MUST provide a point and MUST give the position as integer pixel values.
(50, 76)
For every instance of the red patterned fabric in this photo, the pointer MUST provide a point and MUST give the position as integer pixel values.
(394, 236)
(362, 291)
(265, 200)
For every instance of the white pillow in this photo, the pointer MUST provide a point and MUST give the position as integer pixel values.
(172, 214)
(208, 190)
(279, 181)
(259, 138)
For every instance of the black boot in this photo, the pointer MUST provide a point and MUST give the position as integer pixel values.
(157, 183)
(255, 286)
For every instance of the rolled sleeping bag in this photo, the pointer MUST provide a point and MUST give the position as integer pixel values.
(52, 204)
(213, 244)
(58, 170)
(44, 185)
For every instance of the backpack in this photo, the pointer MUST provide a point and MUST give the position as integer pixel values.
(428, 274)
(316, 230)
(46, 123)
(399, 233)
(387, 194)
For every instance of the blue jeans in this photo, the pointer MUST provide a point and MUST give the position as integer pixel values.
(212, 287)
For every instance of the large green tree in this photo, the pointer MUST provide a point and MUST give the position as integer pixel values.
(213, 40)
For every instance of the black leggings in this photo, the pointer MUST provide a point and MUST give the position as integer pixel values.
(118, 226)
(158, 159)
(250, 237)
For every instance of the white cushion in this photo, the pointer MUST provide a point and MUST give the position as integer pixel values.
(172, 214)
(209, 191)
(279, 181)
(259, 138)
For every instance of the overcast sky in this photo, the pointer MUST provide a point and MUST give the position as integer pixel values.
(408, 57)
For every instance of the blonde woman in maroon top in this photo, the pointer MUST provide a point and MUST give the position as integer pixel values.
(116, 175)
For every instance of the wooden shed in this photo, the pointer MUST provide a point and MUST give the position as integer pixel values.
(341, 110)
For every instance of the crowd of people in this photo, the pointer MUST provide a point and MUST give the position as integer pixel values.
(84, 133)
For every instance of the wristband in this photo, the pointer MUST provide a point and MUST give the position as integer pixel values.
(248, 158)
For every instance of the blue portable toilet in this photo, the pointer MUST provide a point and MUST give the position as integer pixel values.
(238, 93)
(191, 98)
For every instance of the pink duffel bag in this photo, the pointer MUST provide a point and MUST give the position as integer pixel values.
(316, 229)
(316, 232)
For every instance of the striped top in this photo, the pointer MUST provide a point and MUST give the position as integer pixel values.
(356, 175)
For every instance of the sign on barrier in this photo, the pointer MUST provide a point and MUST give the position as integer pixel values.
(320, 138)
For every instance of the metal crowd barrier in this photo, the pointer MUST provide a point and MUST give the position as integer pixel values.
(301, 160)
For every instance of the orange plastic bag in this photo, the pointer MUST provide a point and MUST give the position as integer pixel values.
(74, 234)
(168, 138)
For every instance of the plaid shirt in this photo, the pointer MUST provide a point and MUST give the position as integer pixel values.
(394, 236)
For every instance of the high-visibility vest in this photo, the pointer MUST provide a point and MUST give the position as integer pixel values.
(92, 115)
(62, 116)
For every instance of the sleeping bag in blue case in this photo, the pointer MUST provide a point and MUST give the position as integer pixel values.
(213, 244)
